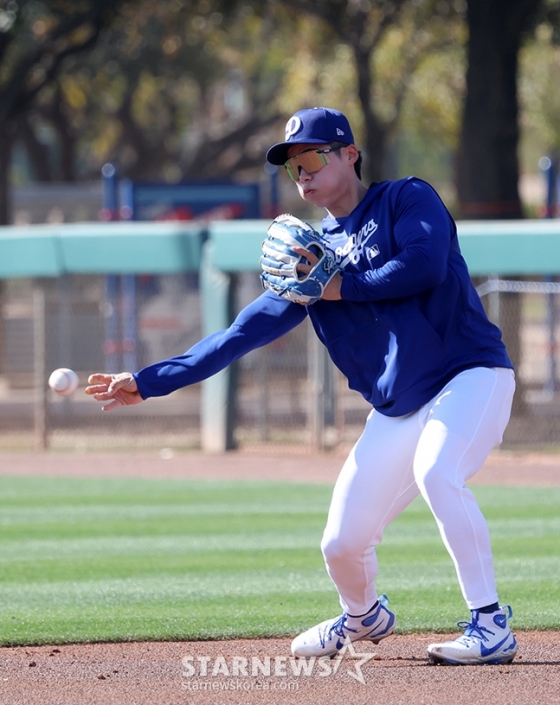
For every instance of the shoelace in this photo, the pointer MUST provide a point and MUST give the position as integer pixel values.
(340, 624)
(473, 629)
(337, 629)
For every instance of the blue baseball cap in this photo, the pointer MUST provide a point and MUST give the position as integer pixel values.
(311, 126)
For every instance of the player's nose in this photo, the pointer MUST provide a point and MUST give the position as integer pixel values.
(304, 175)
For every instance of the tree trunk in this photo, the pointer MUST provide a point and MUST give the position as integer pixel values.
(37, 152)
(5, 159)
(375, 132)
(488, 168)
(66, 138)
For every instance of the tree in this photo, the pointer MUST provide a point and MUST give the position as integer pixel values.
(170, 91)
(361, 27)
(414, 28)
(538, 88)
(35, 39)
(199, 104)
(488, 170)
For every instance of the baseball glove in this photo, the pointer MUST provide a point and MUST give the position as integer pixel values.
(279, 262)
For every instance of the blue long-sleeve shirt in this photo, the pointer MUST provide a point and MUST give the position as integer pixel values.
(409, 319)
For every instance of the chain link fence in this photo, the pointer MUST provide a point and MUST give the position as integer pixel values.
(528, 312)
(289, 397)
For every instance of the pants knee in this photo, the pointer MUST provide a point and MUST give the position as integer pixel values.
(338, 549)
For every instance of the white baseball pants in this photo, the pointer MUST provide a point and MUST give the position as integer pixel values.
(432, 451)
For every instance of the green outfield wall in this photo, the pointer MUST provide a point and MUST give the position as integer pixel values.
(100, 248)
(495, 247)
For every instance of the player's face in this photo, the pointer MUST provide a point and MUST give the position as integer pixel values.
(320, 175)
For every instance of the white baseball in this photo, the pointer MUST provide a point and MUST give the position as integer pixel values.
(64, 381)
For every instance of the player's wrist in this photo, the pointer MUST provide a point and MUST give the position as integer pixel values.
(333, 288)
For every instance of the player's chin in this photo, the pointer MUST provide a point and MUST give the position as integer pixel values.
(317, 198)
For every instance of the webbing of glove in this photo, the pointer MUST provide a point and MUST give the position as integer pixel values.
(279, 262)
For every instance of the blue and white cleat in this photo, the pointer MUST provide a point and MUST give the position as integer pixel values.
(487, 639)
(327, 638)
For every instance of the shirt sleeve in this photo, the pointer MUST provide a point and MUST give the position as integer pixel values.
(422, 232)
(262, 321)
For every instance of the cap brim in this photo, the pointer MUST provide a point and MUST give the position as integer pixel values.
(278, 153)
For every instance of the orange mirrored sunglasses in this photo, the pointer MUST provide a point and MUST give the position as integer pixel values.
(311, 161)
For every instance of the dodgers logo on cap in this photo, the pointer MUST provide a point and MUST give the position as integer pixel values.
(292, 126)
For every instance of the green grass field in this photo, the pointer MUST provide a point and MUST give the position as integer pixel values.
(122, 559)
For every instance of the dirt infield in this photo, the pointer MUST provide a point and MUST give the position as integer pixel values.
(502, 468)
(138, 674)
(260, 671)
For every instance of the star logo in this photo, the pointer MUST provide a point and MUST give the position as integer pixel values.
(363, 659)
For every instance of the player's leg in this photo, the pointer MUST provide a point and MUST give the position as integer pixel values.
(462, 425)
(375, 484)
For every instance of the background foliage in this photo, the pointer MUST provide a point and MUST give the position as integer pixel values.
(178, 89)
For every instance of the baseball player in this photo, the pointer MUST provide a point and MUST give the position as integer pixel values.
(389, 295)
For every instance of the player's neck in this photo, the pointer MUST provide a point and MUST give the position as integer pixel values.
(348, 200)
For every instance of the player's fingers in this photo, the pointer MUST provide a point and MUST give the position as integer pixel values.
(99, 377)
(95, 389)
(304, 268)
(124, 381)
(310, 256)
(112, 405)
(97, 382)
(102, 395)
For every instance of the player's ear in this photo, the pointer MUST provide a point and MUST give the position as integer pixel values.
(353, 153)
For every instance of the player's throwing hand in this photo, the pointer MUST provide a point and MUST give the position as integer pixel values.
(120, 389)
